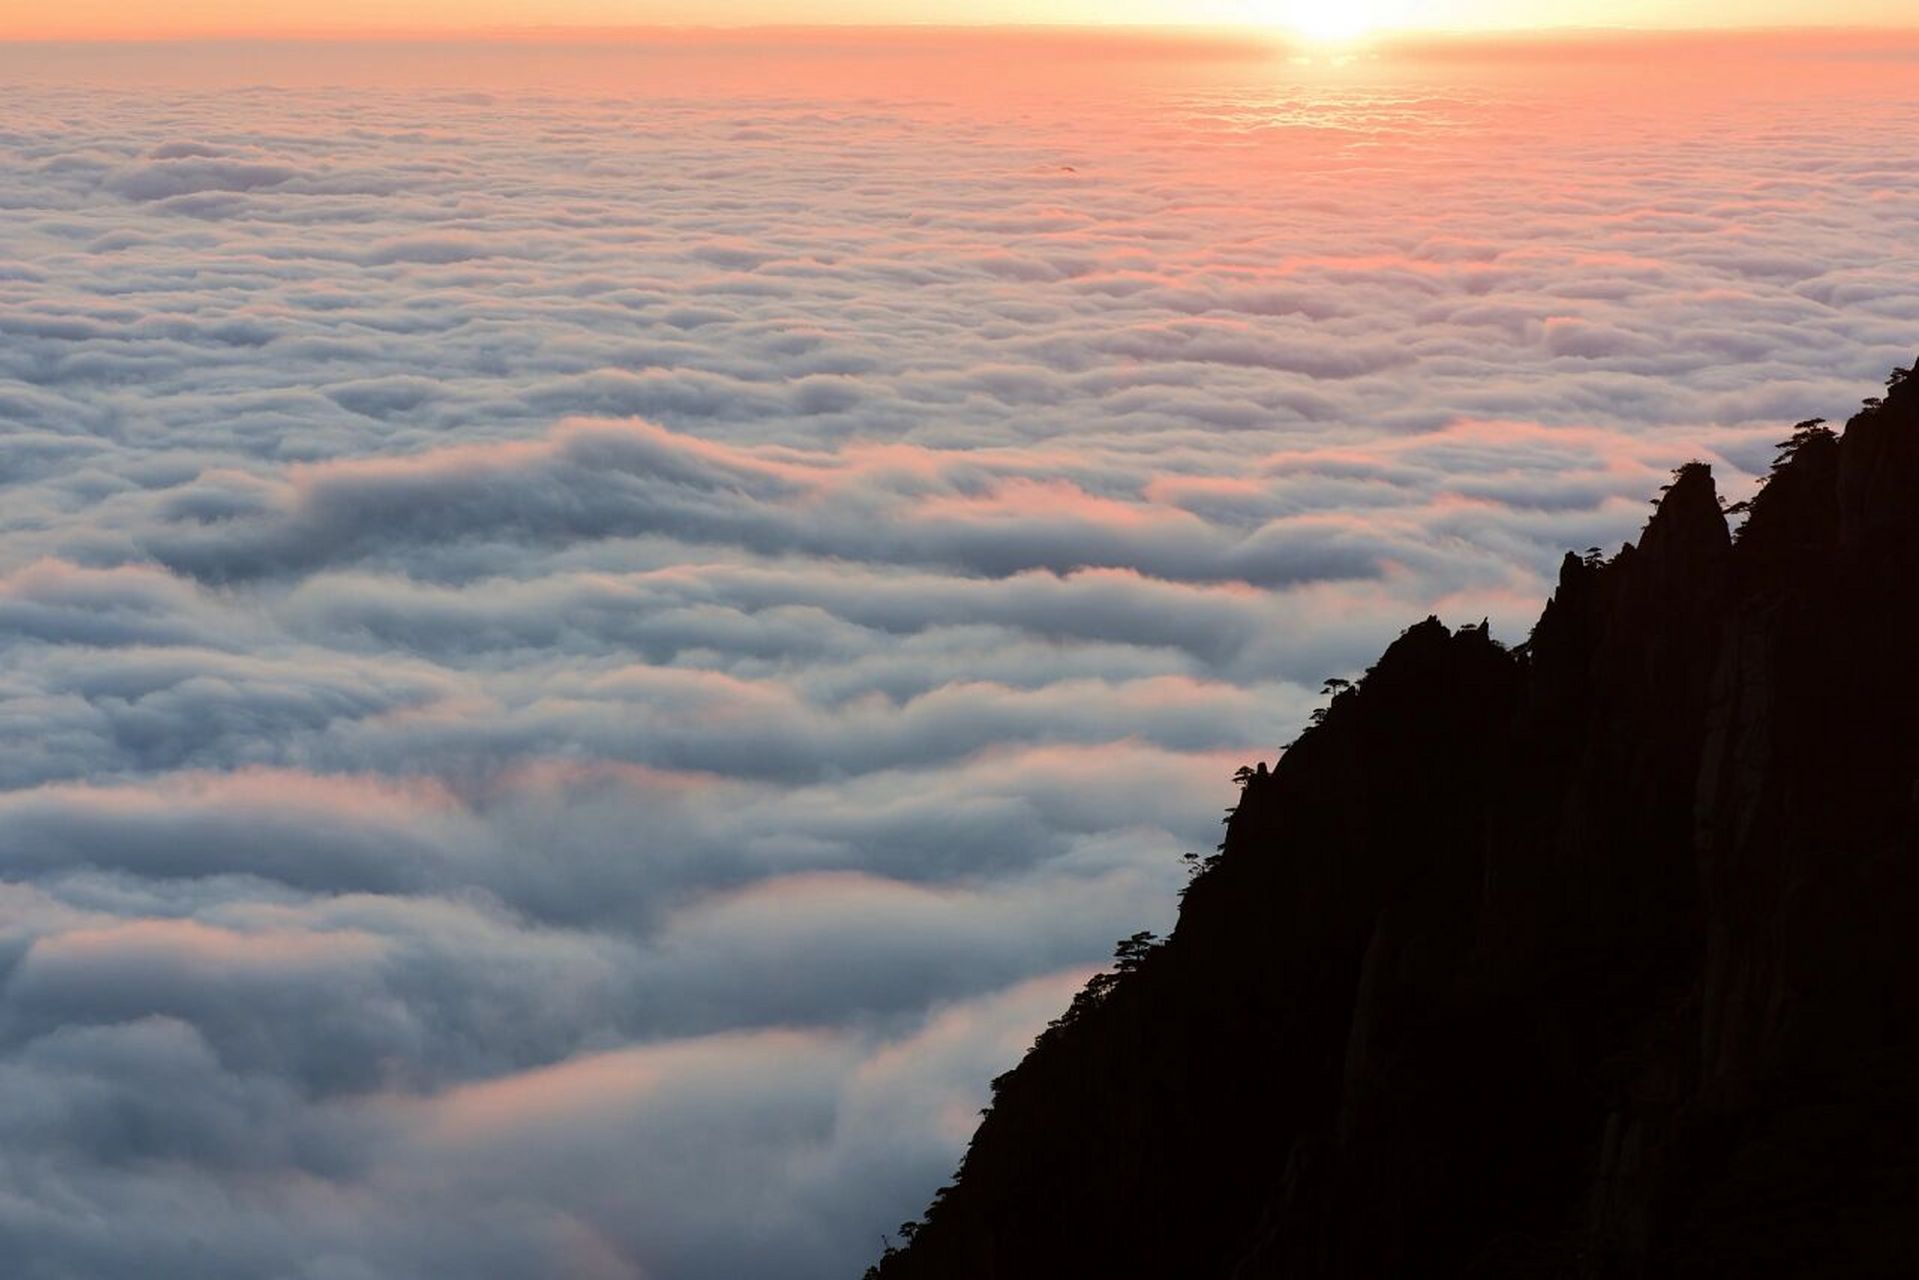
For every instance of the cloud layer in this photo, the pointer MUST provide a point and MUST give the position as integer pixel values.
(581, 667)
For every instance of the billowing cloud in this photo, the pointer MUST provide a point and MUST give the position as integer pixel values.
(581, 668)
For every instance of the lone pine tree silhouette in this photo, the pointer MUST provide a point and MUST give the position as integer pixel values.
(1597, 956)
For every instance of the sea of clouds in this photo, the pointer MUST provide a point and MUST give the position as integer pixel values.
(581, 666)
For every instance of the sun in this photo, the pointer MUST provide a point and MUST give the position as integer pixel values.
(1326, 21)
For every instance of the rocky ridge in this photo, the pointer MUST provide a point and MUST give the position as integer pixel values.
(1596, 956)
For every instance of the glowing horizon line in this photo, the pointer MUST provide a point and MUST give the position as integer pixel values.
(1118, 32)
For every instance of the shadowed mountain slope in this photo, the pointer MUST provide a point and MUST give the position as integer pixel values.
(1594, 957)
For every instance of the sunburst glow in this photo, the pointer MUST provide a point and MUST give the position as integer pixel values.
(1328, 21)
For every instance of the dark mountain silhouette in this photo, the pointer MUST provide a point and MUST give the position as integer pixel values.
(1596, 956)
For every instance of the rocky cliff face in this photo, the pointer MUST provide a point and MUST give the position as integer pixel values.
(1593, 957)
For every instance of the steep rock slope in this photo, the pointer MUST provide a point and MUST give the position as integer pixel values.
(1594, 957)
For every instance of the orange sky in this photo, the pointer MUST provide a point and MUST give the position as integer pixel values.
(113, 19)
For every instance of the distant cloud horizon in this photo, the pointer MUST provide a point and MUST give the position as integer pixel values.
(113, 20)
